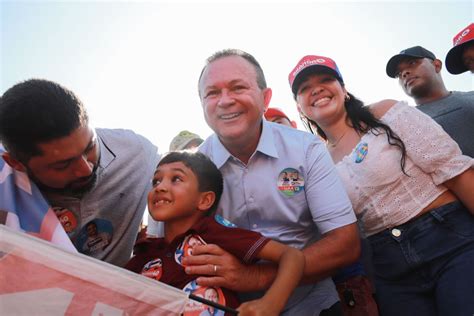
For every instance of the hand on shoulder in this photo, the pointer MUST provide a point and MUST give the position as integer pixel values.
(378, 109)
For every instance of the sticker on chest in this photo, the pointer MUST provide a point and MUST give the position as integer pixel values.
(153, 269)
(95, 237)
(290, 182)
(185, 249)
(360, 152)
(66, 218)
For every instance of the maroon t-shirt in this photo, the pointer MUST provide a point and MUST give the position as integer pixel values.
(154, 258)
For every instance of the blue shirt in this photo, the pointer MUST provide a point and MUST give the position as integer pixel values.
(288, 191)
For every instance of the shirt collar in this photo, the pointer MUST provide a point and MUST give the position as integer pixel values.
(106, 154)
(266, 145)
(160, 242)
(219, 152)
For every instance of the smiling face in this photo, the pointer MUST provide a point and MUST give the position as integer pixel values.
(232, 101)
(320, 97)
(175, 194)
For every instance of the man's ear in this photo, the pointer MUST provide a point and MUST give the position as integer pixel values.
(267, 97)
(206, 200)
(12, 162)
(438, 64)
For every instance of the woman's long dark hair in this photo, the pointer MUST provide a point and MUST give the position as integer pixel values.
(363, 121)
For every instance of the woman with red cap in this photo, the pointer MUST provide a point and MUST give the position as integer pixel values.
(410, 187)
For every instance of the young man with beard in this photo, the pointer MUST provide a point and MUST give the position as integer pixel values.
(91, 176)
(419, 74)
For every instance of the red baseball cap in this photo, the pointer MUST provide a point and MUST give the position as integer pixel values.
(454, 63)
(276, 112)
(312, 64)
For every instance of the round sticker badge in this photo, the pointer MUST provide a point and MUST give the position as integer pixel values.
(66, 218)
(186, 247)
(95, 236)
(153, 269)
(194, 308)
(290, 182)
(360, 152)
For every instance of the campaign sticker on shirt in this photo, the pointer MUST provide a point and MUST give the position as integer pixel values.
(95, 236)
(290, 182)
(360, 152)
(224, 222)
(66, 218)
(185, 249)
(153, 269)
(194, 308)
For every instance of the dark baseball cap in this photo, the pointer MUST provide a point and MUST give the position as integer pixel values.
(416, 52)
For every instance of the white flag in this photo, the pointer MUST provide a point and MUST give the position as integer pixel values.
(38, 278)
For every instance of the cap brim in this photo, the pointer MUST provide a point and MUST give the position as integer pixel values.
(453, 60)
(314, 69)
(392, 64)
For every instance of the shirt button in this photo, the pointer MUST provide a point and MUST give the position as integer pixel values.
(254, 226)
(396, 232)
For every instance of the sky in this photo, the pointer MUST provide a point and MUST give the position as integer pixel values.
(135, 65)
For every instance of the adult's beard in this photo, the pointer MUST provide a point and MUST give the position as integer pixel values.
(70, 189)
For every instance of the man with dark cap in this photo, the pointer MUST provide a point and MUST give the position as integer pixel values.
(460, 58)
(419, 73)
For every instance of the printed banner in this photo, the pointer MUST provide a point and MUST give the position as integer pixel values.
(38, 278)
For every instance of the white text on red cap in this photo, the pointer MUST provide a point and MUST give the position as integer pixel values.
(308, 62)
(464, 33)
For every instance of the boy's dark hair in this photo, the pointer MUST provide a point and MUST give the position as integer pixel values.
(208, 176)
(36, 111)
(261, 82)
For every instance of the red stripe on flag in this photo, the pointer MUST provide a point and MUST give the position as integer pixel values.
(48, 226)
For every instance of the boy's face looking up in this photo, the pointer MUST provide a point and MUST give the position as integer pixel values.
(175, 195)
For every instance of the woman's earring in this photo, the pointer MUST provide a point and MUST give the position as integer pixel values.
(347, 97)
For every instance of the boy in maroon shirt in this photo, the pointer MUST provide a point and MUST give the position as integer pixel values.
(186, 190)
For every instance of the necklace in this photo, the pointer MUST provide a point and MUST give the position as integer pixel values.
(338, 140)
